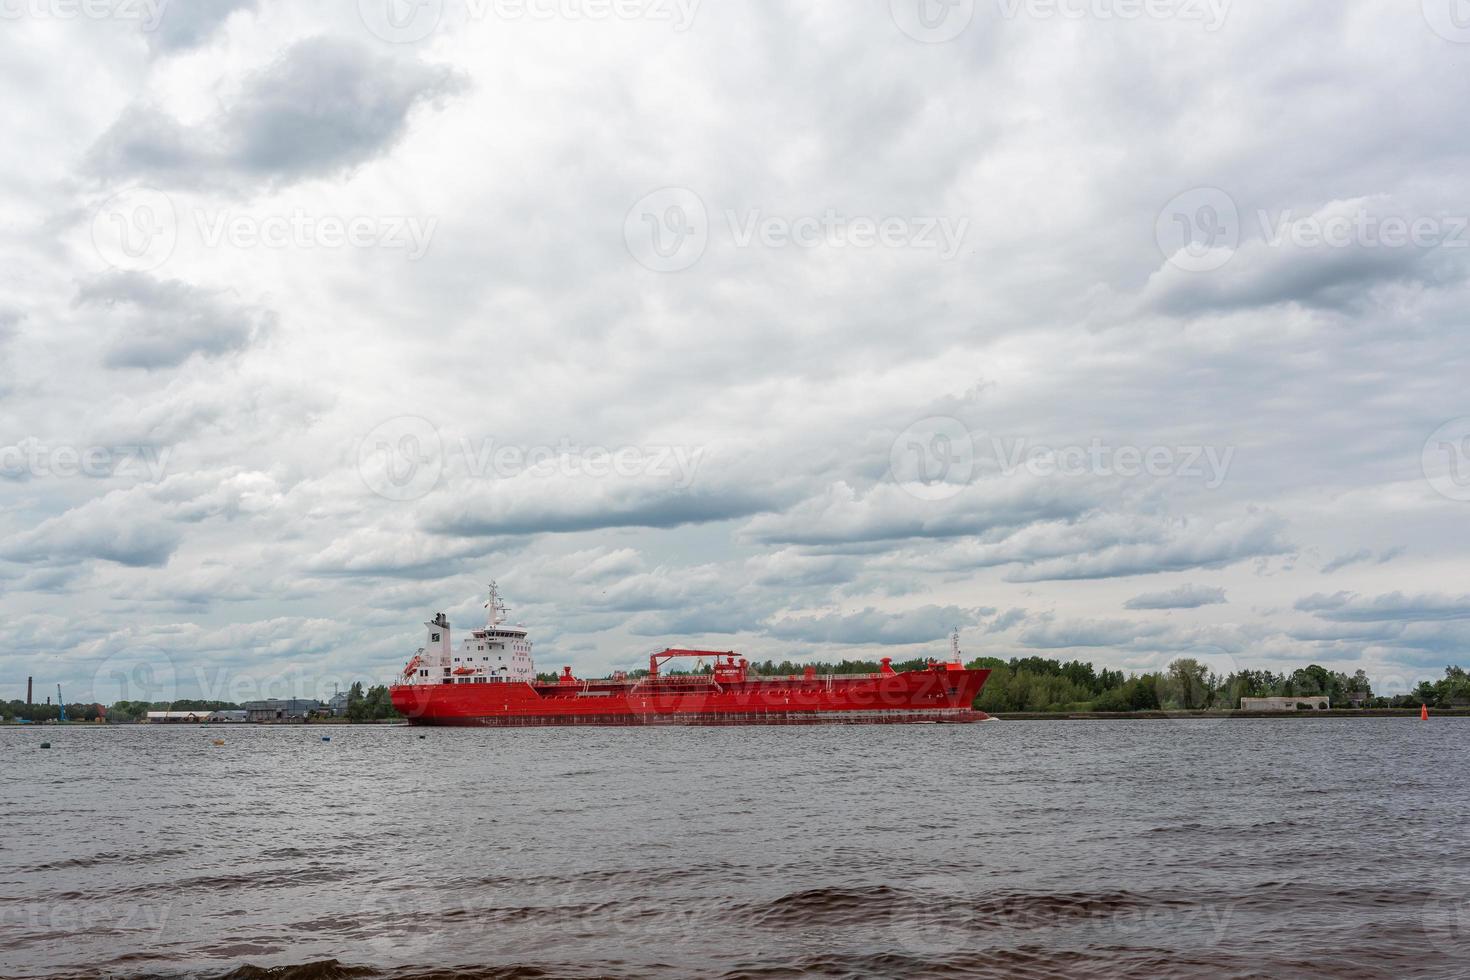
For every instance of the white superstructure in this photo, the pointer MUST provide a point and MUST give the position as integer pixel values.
(493, 654)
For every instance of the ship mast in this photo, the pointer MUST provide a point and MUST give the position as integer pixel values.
(954, 646)
(496, 607)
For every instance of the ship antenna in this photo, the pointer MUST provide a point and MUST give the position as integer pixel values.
(497, 608)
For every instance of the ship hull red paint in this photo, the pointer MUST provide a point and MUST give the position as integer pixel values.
(939, 694)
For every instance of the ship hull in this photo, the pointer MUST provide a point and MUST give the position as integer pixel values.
(938, 695)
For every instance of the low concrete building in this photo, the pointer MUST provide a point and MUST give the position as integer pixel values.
(177, 717)
(282, 709)
(1284, 704)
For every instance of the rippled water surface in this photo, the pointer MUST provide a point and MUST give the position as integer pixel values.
(1300, 847)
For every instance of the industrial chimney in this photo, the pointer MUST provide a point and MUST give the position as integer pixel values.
(28, 689)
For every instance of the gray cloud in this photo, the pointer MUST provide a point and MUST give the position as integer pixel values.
(928, 624)
(321, 109)
(165, 322)
(1184, 547)
(843, 515)
(1184, 597)
(188, 24)
(1322, 371)
(1362, 556)
(1347, 607)
(563, 508)
(1087, 633)
(101, 529)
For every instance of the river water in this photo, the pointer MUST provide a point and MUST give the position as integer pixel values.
(1293, 847)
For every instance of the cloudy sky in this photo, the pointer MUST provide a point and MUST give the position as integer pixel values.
(1096, 328)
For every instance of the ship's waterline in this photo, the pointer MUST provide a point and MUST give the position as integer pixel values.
(490, 681)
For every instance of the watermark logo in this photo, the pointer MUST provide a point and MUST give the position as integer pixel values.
(934, 918)
(140, 673)
(401, 920)
(303, 230)
(936, 458)
(136, 230)
(33, 459)
(402, 459)
(1364, 228)
(667, 230)
(1199, 230)
(1450, 19)
(409, 21)
(1445, 459)
(400, 21)
(1184, 688)
(1210, 464)
(1446, 920)
(932, 21)
(933, 459)
(830, 229)
(1211, 14)
(147, 12)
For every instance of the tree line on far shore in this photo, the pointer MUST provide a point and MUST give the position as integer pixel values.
(372, 704)
(1021, 684)
(1043, 685)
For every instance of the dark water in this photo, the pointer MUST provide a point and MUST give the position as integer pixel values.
(1015, 849)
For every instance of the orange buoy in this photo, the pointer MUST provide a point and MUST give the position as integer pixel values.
(1423, 712)
(219, 741)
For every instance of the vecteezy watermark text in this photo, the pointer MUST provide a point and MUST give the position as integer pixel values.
(937, 458)
(1446, 459)
(937, 21)
(404, 458)
(149, 13)
(32, 458)
(140, 228)
(409, 21)
(669, 229)
(304, 230)
(1201, 229)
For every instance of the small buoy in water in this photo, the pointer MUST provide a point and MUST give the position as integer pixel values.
(219, 741)
(326, 738)
(1423, 712)
(45, 745)
(423, 736)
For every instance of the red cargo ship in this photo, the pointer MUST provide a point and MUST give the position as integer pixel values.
(491, 681)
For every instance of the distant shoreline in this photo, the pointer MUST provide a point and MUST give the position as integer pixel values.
(1222, 715)
(1410, 713)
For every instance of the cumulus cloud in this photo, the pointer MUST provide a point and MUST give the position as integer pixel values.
(162, 323)
(844, 515)
(1185, 545)
(324, 107)
(182, 26)
(1362, 556)
(1347, 607)
(530, 504)
(1184, 597)
(927, 624)
(1315, 374)
(108, 528)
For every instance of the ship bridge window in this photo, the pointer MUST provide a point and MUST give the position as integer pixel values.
(433, 637)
